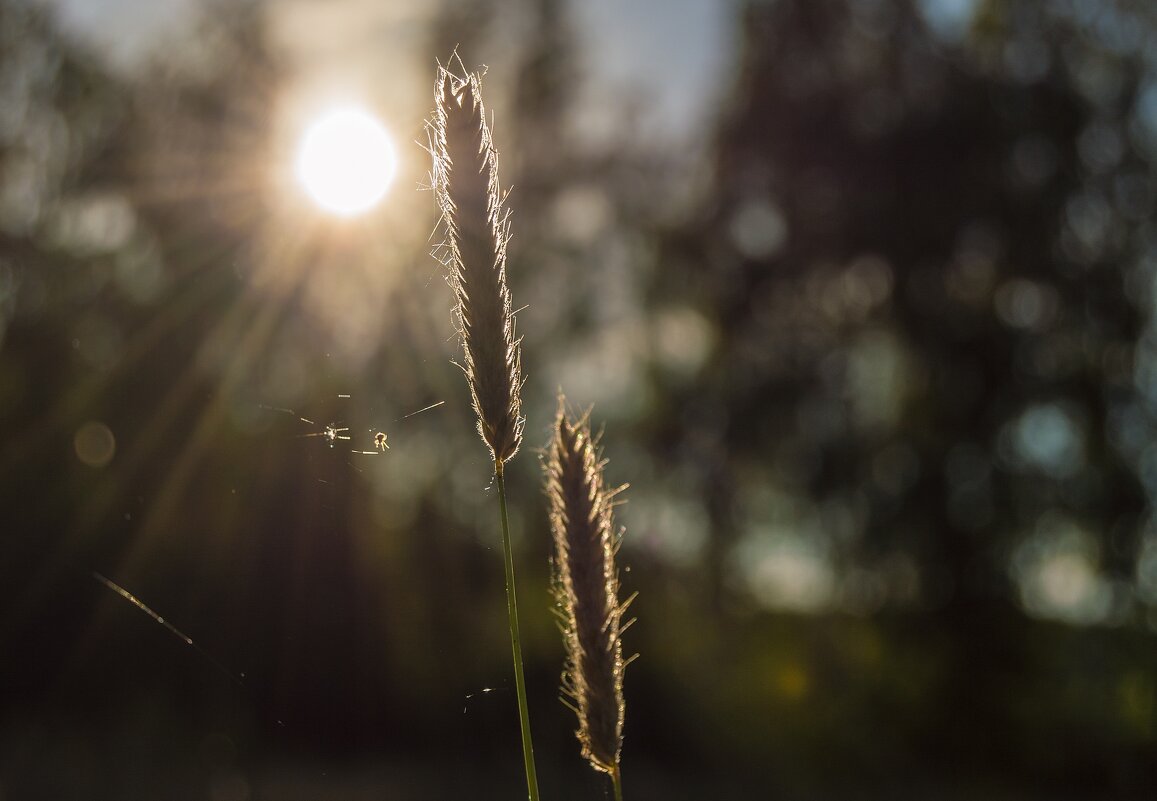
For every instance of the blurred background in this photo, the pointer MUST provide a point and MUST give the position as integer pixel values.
(862, 292)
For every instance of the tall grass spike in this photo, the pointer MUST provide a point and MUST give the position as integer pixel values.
(587, 588)
(466, 184)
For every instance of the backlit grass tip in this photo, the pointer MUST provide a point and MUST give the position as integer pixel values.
(465, 179)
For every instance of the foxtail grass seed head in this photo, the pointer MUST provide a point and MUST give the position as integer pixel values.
(587, 587)
(465, 179)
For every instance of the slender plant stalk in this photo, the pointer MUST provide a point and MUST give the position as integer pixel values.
(586, 589)
(516, 643)
(478, 227)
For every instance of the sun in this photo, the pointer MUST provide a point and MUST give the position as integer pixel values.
(346, 161)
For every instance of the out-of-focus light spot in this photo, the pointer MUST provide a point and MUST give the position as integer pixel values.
(1147, 570)
(878, 379)
(1136, 693)
(970, 281)
(1064, 581)
(1145, 110)
(761, 501)
(758, 229)
(1088, 229)
(1048, 438)
(792, 681)
(1055, 569)
(682, 340)
(346, 161)
(785, 569)
(1116, 362)
(1097, 76)
(1134, 195)
(850, 294)
(609, 374)
(949, 19)
(1100, 146)
(1128, 429)
(96, 224)
(672, 528)
(581, 213)
(1145, 371)
(868, 281)
(21, 198)
(1026, 304)
(1027, 60)
(94, 444)
(1147, 469)
(139, 272)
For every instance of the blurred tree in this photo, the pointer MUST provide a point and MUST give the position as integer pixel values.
(61, 231)
(924, 261)
(917, 261)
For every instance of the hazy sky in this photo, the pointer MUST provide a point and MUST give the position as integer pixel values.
(678, 52)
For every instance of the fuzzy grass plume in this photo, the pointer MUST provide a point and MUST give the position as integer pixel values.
(587, 588)
(478, 228)
(465, 178)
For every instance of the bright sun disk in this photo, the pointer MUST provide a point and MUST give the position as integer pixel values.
(346, 161)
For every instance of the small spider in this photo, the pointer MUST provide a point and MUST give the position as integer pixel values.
(380, 441)
(332, 433)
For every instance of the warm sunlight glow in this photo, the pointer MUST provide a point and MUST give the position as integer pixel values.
(346, 161)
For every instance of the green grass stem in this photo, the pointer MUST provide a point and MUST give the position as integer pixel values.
(516, 642)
